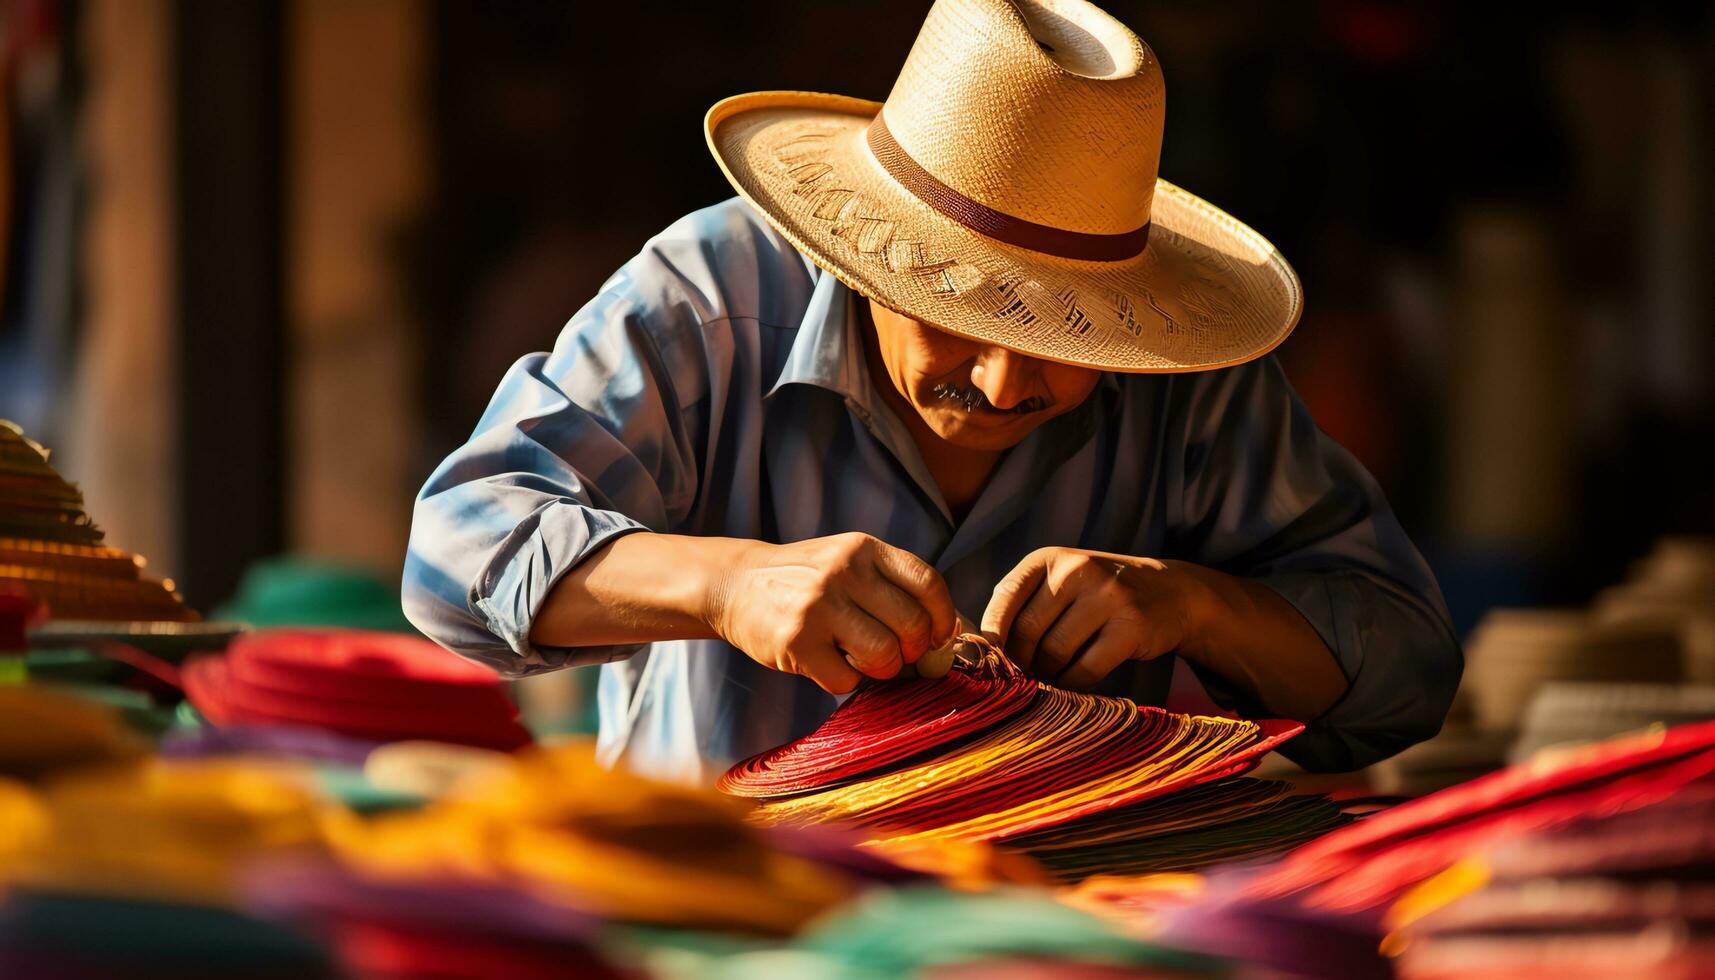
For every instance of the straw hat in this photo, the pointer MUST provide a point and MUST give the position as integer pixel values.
(1007, 192)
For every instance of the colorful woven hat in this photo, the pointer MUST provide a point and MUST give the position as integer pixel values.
(1007, 192)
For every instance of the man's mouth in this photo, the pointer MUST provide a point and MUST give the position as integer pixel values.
(973, 401)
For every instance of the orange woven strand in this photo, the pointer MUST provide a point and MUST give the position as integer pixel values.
(1068, 755)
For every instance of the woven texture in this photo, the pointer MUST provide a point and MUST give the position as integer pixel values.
(982, 104)
(1085, 784)
(882, 726)
(52, 552)
(1044, 137)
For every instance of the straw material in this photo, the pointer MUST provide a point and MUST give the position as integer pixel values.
(1003, 192)
(52, 552)
(1514, 652)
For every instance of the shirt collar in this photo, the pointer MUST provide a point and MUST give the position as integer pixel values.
(827, 351)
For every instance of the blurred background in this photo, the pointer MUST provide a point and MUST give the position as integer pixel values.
(264, 262)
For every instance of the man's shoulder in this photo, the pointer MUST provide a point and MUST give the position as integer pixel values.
(729, 263)
(731, 222)
(1255, 389)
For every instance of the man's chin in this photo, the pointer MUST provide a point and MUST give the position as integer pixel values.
(975, 434)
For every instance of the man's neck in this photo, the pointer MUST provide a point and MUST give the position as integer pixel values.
(959, 473)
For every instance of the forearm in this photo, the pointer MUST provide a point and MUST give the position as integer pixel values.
(638, 588)
(1245, 632)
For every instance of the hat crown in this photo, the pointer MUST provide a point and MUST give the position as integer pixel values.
(1046, 110)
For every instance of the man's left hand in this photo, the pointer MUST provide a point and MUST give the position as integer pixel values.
(1071, 616)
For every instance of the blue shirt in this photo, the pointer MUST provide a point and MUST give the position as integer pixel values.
(716, 385)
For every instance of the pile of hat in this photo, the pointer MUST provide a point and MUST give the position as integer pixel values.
(367, 685)
(1514, 652)
(1642, 654)
(1673, 587)
(1566, 714)
(51, 551)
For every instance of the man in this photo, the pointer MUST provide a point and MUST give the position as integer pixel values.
(962, 352)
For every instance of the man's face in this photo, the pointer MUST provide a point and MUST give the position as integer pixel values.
(974, 395)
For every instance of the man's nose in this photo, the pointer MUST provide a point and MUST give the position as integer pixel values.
(1004, 376)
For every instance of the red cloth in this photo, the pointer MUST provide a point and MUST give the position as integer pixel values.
(18, 612)
(370, 684)
(881, 726)
(1377, 859)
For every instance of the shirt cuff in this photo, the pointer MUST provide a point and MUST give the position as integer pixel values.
(1390, 651)
(542, 548)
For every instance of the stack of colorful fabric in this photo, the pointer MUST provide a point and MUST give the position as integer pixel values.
(1631, 895)
(51, 551)
(368, 685)
(117, 865)
(554, 865)
(42, 733)
(1087, 784)
(1589, 862)
(385, 930)
(606, 843)
(929, 932)
(167, 831)
(1365, 867)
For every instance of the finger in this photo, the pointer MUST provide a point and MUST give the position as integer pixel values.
(1108, 650)
(920, 581)
(1075, 627)
(869, 647)
(1046, 605)
(829, 669)
(1010, 595)
(900, 612)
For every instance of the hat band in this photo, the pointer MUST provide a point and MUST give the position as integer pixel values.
(998, 225)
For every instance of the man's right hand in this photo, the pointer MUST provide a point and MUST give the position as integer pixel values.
(832, 609)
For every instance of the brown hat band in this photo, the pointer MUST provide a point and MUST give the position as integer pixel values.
(998, 225)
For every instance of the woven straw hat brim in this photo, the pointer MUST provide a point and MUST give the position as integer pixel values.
(1206, 292)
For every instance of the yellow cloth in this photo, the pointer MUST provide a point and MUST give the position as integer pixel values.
(43, 732)
(23, 824)
(165, 830)
(607, 842)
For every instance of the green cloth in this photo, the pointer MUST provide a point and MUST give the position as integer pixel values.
(291, 591)
(891, 933)
(139, 711)
(349, 786)
(186, 715)
(71, 665)
(43, 934)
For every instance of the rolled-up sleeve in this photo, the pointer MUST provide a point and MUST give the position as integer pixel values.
(594, 440)
(1267, 495)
